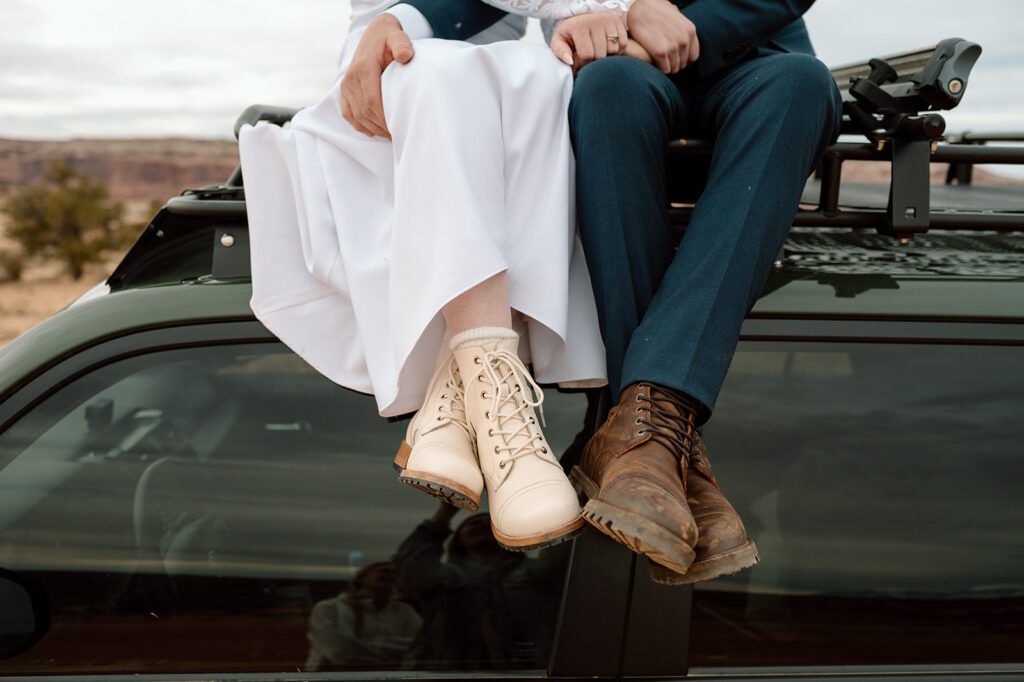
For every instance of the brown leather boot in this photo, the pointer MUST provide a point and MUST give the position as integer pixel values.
(723, 547)
(630, 471)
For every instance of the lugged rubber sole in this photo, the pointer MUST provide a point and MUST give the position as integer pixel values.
(633, 530)
(549, 539)
(726, 563)
(437, 486)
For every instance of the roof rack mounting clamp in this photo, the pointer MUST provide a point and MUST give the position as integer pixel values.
(908, 212)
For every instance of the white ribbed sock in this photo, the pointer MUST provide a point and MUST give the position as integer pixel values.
(478, 334)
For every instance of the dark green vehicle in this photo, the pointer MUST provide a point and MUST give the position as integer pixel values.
(181, 497)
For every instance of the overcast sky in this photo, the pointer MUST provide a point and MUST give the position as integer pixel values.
(143, 68)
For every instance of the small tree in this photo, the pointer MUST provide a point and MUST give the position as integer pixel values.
(66, 215)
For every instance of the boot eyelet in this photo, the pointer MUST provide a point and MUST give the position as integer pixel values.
(532, 420)
(638, 422)
(477, 361)
(496, 451)
(440, 418)
(501, 465)
(638, 398)
(487, 414)
(480, 378)
(544, 451)
(483, 394)
(641, 432)
(518, 387)
(490, 433)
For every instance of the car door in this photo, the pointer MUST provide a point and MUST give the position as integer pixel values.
(878, 463)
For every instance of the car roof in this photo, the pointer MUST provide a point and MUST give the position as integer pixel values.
(98, 318)
(940, 274)
(190, 265)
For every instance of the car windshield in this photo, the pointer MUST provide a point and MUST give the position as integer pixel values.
(174, 487)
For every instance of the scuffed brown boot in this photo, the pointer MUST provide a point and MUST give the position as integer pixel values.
(630, 471)
(723, 547)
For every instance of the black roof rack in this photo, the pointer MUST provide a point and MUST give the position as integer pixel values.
(892, 102)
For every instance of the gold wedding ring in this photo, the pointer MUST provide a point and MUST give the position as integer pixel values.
(613, 39)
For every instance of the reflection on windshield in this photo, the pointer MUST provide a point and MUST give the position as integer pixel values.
(227, 509)
(480, 602)
(366, 626)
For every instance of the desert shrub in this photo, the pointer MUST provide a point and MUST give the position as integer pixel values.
(67, 215)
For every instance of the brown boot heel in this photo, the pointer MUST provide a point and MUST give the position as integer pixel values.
(437, 486)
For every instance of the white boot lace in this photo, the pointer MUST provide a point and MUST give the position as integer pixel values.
(499, 367)
(451, 408)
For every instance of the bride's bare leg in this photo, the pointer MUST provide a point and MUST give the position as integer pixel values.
(531, 501)
(485, 305)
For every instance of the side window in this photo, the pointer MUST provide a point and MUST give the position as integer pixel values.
(882, 485)
(225, 508)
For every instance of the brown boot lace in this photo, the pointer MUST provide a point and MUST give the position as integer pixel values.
(670, 420)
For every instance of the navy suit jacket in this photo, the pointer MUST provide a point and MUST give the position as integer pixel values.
(727, 29)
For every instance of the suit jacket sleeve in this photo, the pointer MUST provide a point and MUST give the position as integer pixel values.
(729, 29)
(457, 19)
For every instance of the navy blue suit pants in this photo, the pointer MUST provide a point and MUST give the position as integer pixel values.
(673, 316)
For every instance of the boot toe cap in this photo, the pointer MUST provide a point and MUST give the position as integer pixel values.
(646, 498)
(537, 509)
(720, 532)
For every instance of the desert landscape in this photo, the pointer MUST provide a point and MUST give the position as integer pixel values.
(137, 173)
(141, 172)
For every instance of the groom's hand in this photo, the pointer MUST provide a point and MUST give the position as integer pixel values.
(584, 38)
(668, 36)
(361, 103)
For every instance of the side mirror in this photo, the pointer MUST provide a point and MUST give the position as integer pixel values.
(24, 614)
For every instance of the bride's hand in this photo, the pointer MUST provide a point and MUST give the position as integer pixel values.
(584, 38)
(361, 102)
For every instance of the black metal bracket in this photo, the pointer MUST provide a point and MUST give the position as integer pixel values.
(908, 212)
(230, 253)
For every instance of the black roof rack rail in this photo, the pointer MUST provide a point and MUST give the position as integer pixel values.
(893, 101)
(909, 187)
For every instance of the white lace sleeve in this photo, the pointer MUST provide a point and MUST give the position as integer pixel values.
(560, 9)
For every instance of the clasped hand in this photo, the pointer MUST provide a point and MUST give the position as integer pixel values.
(658, 34)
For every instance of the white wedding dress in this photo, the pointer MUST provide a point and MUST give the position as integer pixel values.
(357, 243)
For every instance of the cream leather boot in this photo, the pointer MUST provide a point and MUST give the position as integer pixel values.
(531, 501)
(438, 455)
